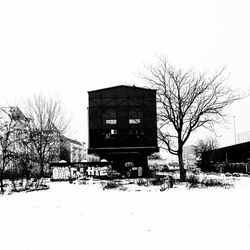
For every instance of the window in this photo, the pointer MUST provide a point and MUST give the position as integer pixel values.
(135, 116)
(109, 116)
(113, 132)
(112, 121)
(134, 121)
(110, 134)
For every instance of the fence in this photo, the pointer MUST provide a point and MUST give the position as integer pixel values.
(67, 171)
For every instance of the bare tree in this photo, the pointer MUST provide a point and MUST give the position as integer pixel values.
(186, 102)
(47, 124)
(205, 145)
(13, 133)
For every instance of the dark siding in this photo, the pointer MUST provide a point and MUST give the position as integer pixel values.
(122, 103)
(233, 154)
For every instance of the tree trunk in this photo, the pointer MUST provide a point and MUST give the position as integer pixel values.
(42, 170)
(1, 181)
(181, 166)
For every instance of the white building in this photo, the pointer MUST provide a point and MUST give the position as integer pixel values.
(13, 135)
(72, 150)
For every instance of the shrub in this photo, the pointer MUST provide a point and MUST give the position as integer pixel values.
(152, 173)
(215, 182)
(110, 185)
(142, 182)
(193, 180)
(157, 181)
(114, 174)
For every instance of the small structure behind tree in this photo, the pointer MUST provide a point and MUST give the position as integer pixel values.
(234, 158)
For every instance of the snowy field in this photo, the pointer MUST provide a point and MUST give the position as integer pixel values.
(71, 216)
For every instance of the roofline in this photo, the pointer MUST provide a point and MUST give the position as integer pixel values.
(112, 148)
(73, 141)
(122, 85)
(230, 146)
(7, 109)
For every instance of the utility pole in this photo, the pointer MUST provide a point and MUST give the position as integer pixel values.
(235, 141)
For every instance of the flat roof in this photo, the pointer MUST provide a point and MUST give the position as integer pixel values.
(242, 144)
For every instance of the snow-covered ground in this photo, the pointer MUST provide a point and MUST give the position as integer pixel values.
(71, 216)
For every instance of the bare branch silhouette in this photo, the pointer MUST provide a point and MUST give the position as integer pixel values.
(46, 127)
(186, 102)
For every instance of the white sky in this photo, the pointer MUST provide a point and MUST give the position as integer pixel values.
(71, 47)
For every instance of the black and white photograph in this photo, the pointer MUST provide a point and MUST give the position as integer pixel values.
(124, 125)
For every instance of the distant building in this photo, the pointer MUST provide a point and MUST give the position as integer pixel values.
(14, 118)
(189, 157)
(243, 137)
(229, 156)
(13, 133)
(92, 158)
(72, 150)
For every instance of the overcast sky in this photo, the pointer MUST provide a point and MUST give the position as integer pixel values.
(71, 47)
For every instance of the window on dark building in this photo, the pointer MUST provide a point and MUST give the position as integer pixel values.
(113, 131)
(134, 121)
(110, 116)
(110, 134)
(111, 121)
(135, 116)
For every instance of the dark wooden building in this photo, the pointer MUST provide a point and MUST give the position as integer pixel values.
(238, 153)
(123, 124)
